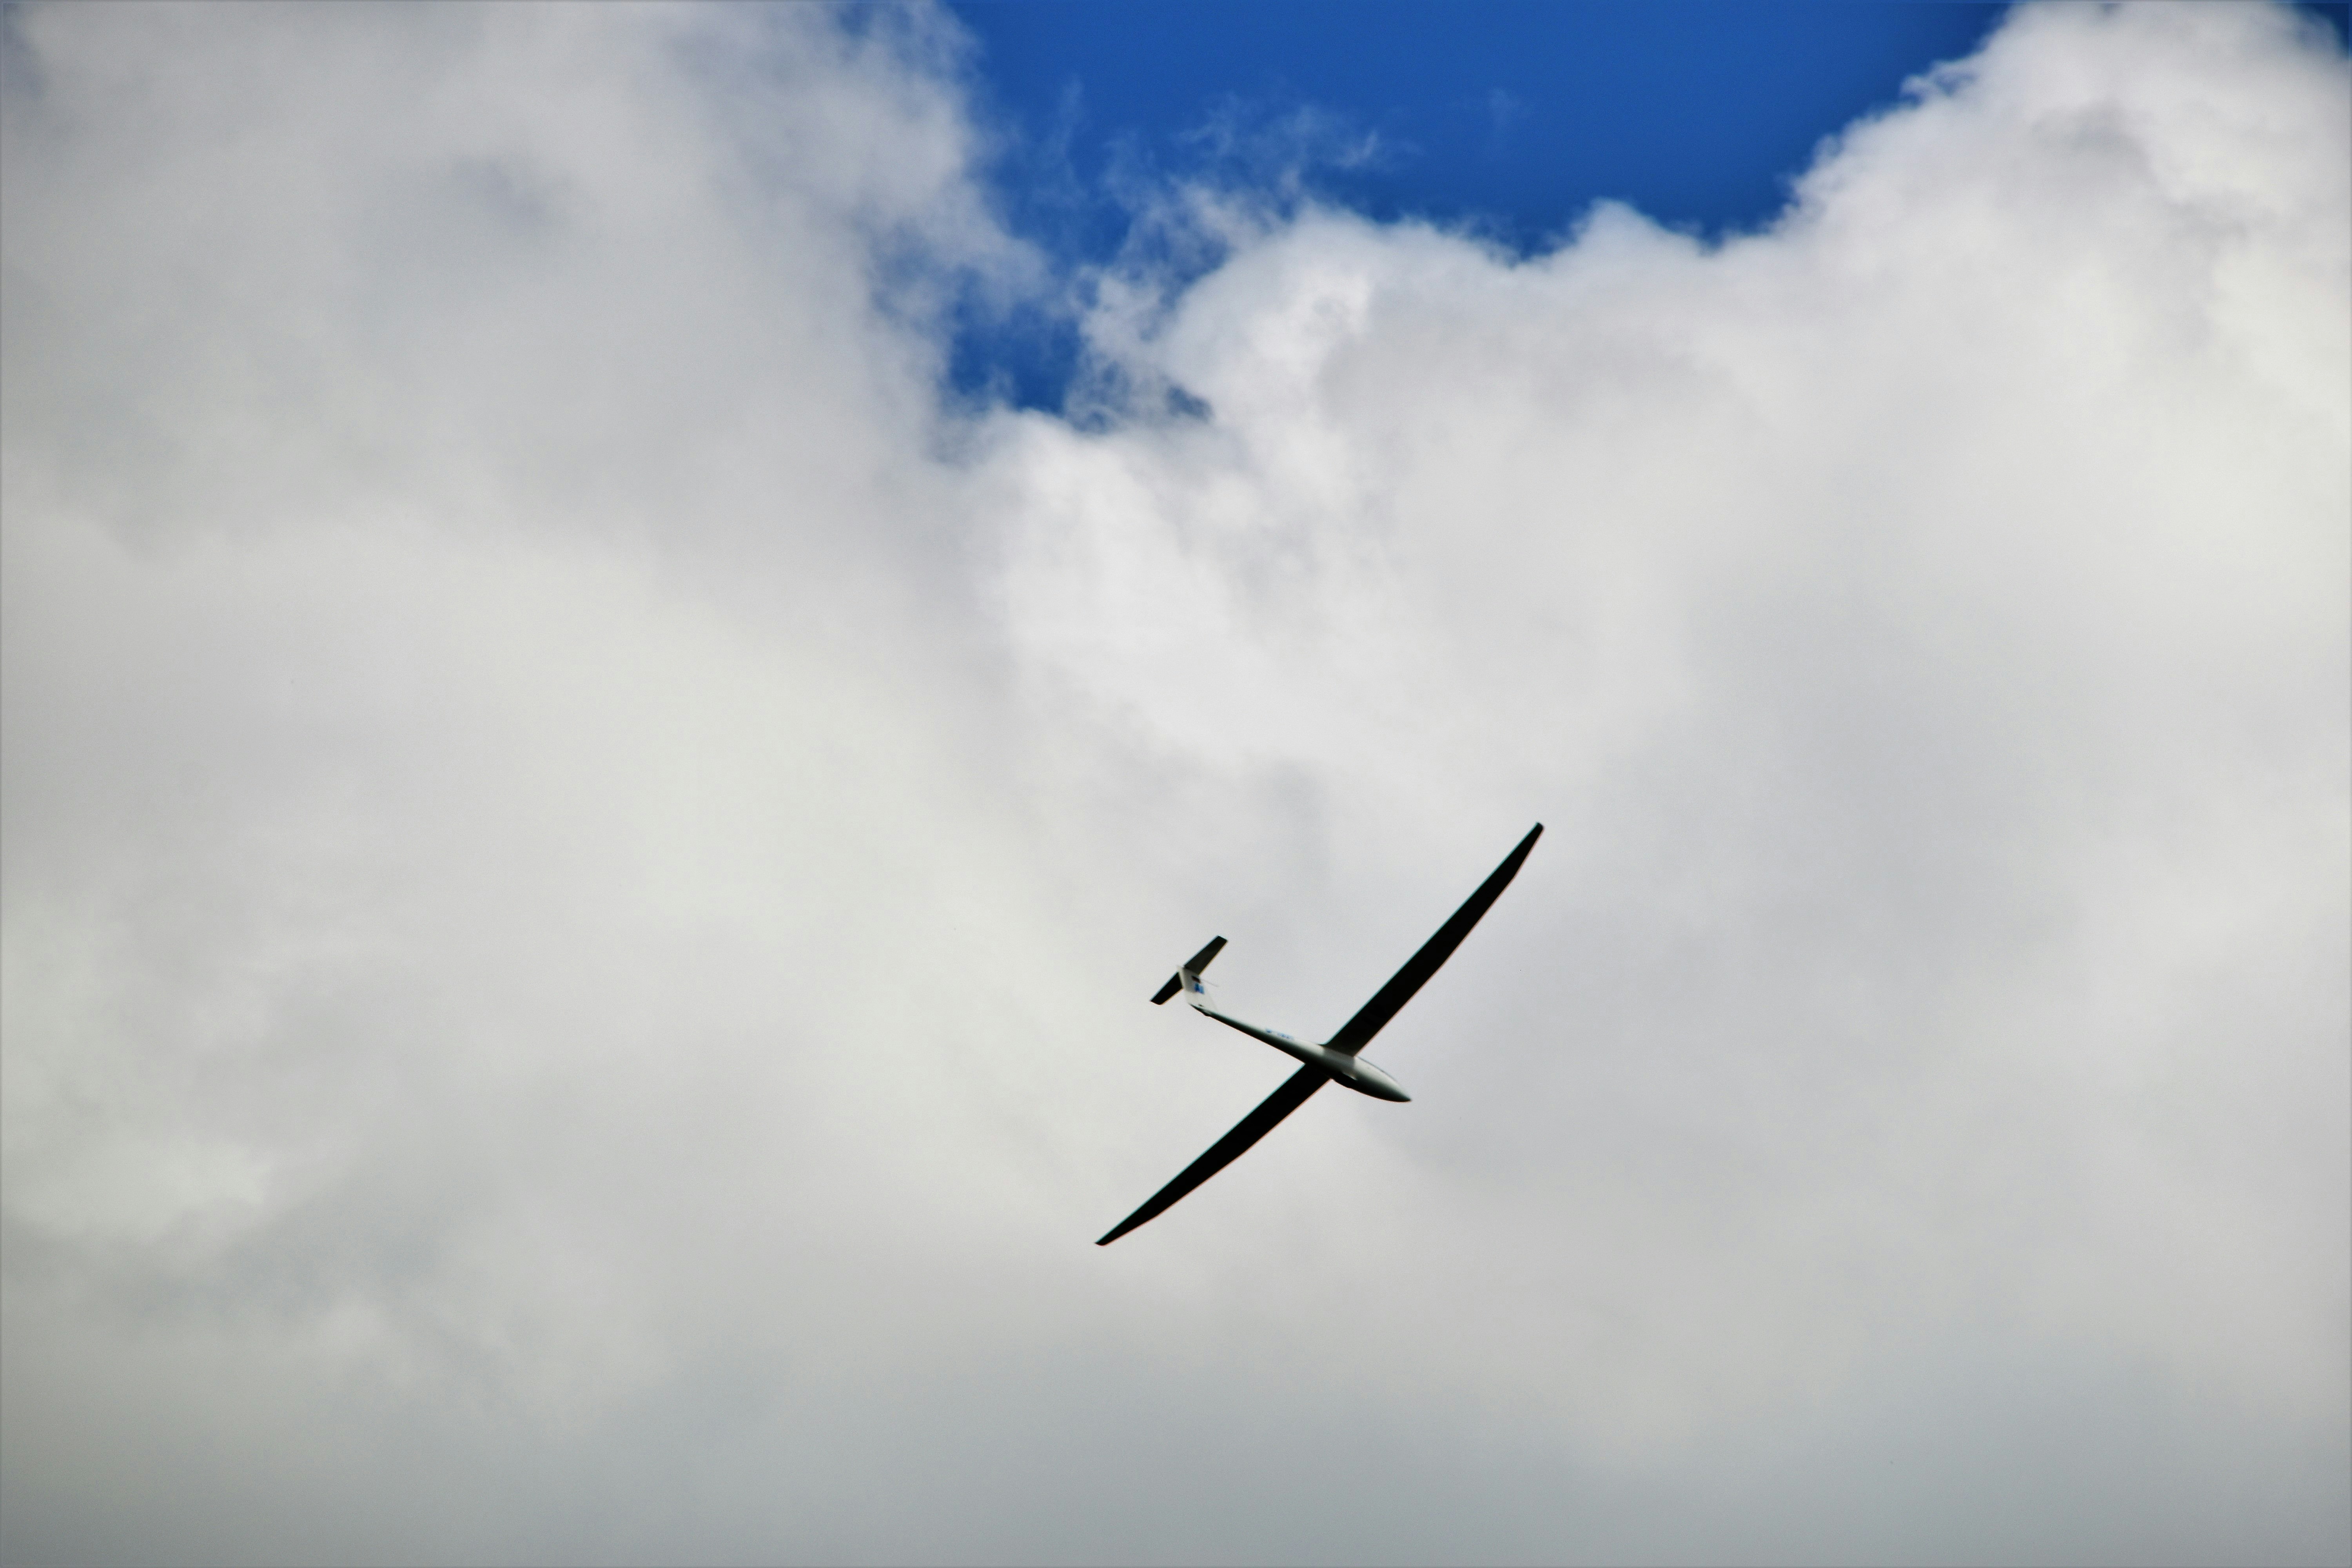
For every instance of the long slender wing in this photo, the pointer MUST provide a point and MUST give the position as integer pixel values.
(1293, 1094)
(1358, 1032)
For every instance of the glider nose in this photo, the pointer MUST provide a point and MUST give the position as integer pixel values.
(1366, 1078)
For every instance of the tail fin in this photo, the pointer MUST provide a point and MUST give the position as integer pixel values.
(1191, 970)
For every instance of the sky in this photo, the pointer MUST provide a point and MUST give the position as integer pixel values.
(1508, 119)
(630, 638)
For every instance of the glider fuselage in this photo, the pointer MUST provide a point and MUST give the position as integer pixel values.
(1353, 1071)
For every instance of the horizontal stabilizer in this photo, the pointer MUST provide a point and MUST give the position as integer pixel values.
(1192, 965)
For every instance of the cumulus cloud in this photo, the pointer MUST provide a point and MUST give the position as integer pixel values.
(584, 848)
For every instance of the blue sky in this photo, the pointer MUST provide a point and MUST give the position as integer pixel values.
(1507, 117)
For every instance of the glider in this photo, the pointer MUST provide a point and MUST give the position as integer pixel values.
(1337, 1059)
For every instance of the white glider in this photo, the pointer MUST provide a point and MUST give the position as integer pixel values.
(1335, 1060)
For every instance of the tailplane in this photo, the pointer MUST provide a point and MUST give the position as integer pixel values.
(1189, 977)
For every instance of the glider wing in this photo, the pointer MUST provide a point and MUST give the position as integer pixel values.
(1226, 1150)
(1357, 1031)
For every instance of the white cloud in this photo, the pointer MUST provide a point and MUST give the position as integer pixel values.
(582, 862)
